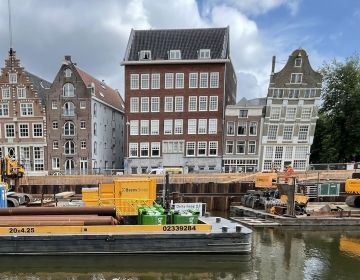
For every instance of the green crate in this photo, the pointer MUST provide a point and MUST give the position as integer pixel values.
(187, 217)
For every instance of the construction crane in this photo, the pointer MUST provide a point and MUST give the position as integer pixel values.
(10, 173)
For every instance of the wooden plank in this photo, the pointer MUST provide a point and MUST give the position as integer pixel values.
(64, 194)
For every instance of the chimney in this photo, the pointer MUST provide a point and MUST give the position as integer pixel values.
(68, 58)
(273, 64)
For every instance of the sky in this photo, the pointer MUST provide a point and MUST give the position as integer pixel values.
(95, 33)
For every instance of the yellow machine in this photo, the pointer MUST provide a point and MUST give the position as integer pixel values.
(266, 180)
(352, 187)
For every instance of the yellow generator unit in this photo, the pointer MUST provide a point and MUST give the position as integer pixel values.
(127, 195)
(352, 186)
(266, 180)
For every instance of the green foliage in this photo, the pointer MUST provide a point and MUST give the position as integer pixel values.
(337, 136)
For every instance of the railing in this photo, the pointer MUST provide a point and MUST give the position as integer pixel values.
(94, 171)
(335, 166)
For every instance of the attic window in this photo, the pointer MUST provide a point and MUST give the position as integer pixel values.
(12, 78)
(68, 73)
(298, 62)
(204, 54)
(145, 55)
(175, 54)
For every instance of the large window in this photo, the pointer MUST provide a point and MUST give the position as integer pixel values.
(68, 90)
(191, 126)
(169, 80)
(212, 126)
(12, 78)
(192, 103)
(275, 113)
(202, 148)
(144, 104)
(133, 149)
(37, 130)
(179, 103)
(38, 158)
(173, 147)
(303, 132)
(306, 113)
(144, 127)
(24, 130)
(193, 80)
(230, 128)
(4, 109)
(241, 129)
(69, 129)
(272, 133)
(9, 130)
(145, 81)
(214, 79)
(213, 104)
(229, 147)
(240, 147)
(69, 109)
(134, 105)
(69, 148)
(21, 92)
(134, 81)
(155, 104)
(144, 149)
(251, 147)
(155, 149)
(253, 129)
(203, 101)
(290, 113)
(134, 127)
(296, 78)
(168, 105)
(26, 109)
(154, 127)
(155, 81)
(288, 132)
(203, 80)
(178, 126)
(168, 126)
(202, 126)
(213, 148)
(179, 80)
(190, 148)
(5, 93)
(269, 152)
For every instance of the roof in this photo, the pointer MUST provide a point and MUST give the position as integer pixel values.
(252, 102)
(40, 85)
(102, 92)
(188, 41)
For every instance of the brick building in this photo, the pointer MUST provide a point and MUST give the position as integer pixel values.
(242, 135)
(177, 85)
(291, 114)
(22, 116)
(85, 123)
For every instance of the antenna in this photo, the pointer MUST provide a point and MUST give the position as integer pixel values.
(10, 27)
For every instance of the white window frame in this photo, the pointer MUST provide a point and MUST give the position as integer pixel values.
(169, 80)
(155, 127)
(145, 106)
(133, 147)
(212, 126)
(288, 131)
(155, 104)
(21, 92)
(203, 102)
(202, 126)
(34, 131)
(204, 80)
(145, 55)
(230, 128)
(174, 54)
(192, 126)
(306, 113)
(67, 73)
(214, 80)
(178, 126)
(193, 80)
(251, 143)
(82, 104)
(240, 144)
(144, 146)
(213, 103)
(204, 54)
(27, 128)
(291, 116)
(155, 81)
(179, 103)
(168, 127)
(296, 78)
(213, 145)
(5, 93)
(144, 127)
(155, 146)
(55, 163)
(4, 108)
(145, 81)
(12, 78)
(296, 60)
(134, 104)
(134, 127)
(303, 133)
(179, 80)
(202, 145)
(275, 132)
(229, 147)
(134, 81)
(275, 113)
(190, 145)
(251, 125)
(168, 104)
(68, 90)
(192, 104)
(54, 105)
(26, 109)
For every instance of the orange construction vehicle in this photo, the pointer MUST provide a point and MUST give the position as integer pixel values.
(352, 187)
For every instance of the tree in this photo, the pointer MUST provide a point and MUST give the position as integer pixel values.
(337, 136)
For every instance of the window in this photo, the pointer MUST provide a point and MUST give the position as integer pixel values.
(168, 106)
(174, 54)
(133, 149)
(145, 104)
(272, 133)
(55, 163)
(155, 81)
(203, 80)
(55, 125)
(55, 144)
(275, 113)
(82, 104)
(69, 129)
(192, 103)
(193, 80)
(303, 132)
(179, 103)
(9, 131)
(84, 164)
(68, 90)
(290, 113)
(269, 152)
(168, 126)
(4, 109)
(134, 81)
(38, 158)
(134, 127)
(24, 130)
(190, 148)
(203, 101)
(68, 73)
(155, 149)
(301, 152)
(134, 105)
(202, 148)
(252, 147)
(191, 126)
(145, 55)
(144, 149)
(154, 127)
(298, 62)
(69, 109)
(268, 165)
(213, 148)
(155, 104)
(179, 80)
(95, 129)
(240, 147)
(213, 105)
(83, 144)
(294, 93)
(288, 131)
(169, 80)
(204, 54)
(296, 78)
(5, 93)
(229, 147)
(172, 147)
(178, 126)
(21, 92)
(241, 129)
(37, 130)
(26, 109)
(288, 152)
(230, 128)
(145, 83)
(279, 152)
(278, 93)
(243, 113)
(202, 127)
(212, 126)
(144, 127)
(306, 113)
(253, 128)
(54, 105)
(12, 78)
(214, 79)
(70, 148)
(299, 164)
(95, 149)
(82, 124)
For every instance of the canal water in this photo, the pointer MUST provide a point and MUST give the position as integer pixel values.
(291, 253)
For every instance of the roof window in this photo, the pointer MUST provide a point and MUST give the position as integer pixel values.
(145, 55)
(175, 54)
(204, 54)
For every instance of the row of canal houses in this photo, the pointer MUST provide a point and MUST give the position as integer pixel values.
(180, 110)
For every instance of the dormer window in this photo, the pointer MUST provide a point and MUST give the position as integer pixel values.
(68, 73)
(298, 62)
(204, 54)
(12, 78)
(145, 55)
(175, 54)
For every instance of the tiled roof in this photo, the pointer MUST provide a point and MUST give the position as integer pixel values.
(102, 92)
(40, 85)
(188, 41)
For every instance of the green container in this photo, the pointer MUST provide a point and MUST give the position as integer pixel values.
(187, 217)
(151, 216)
